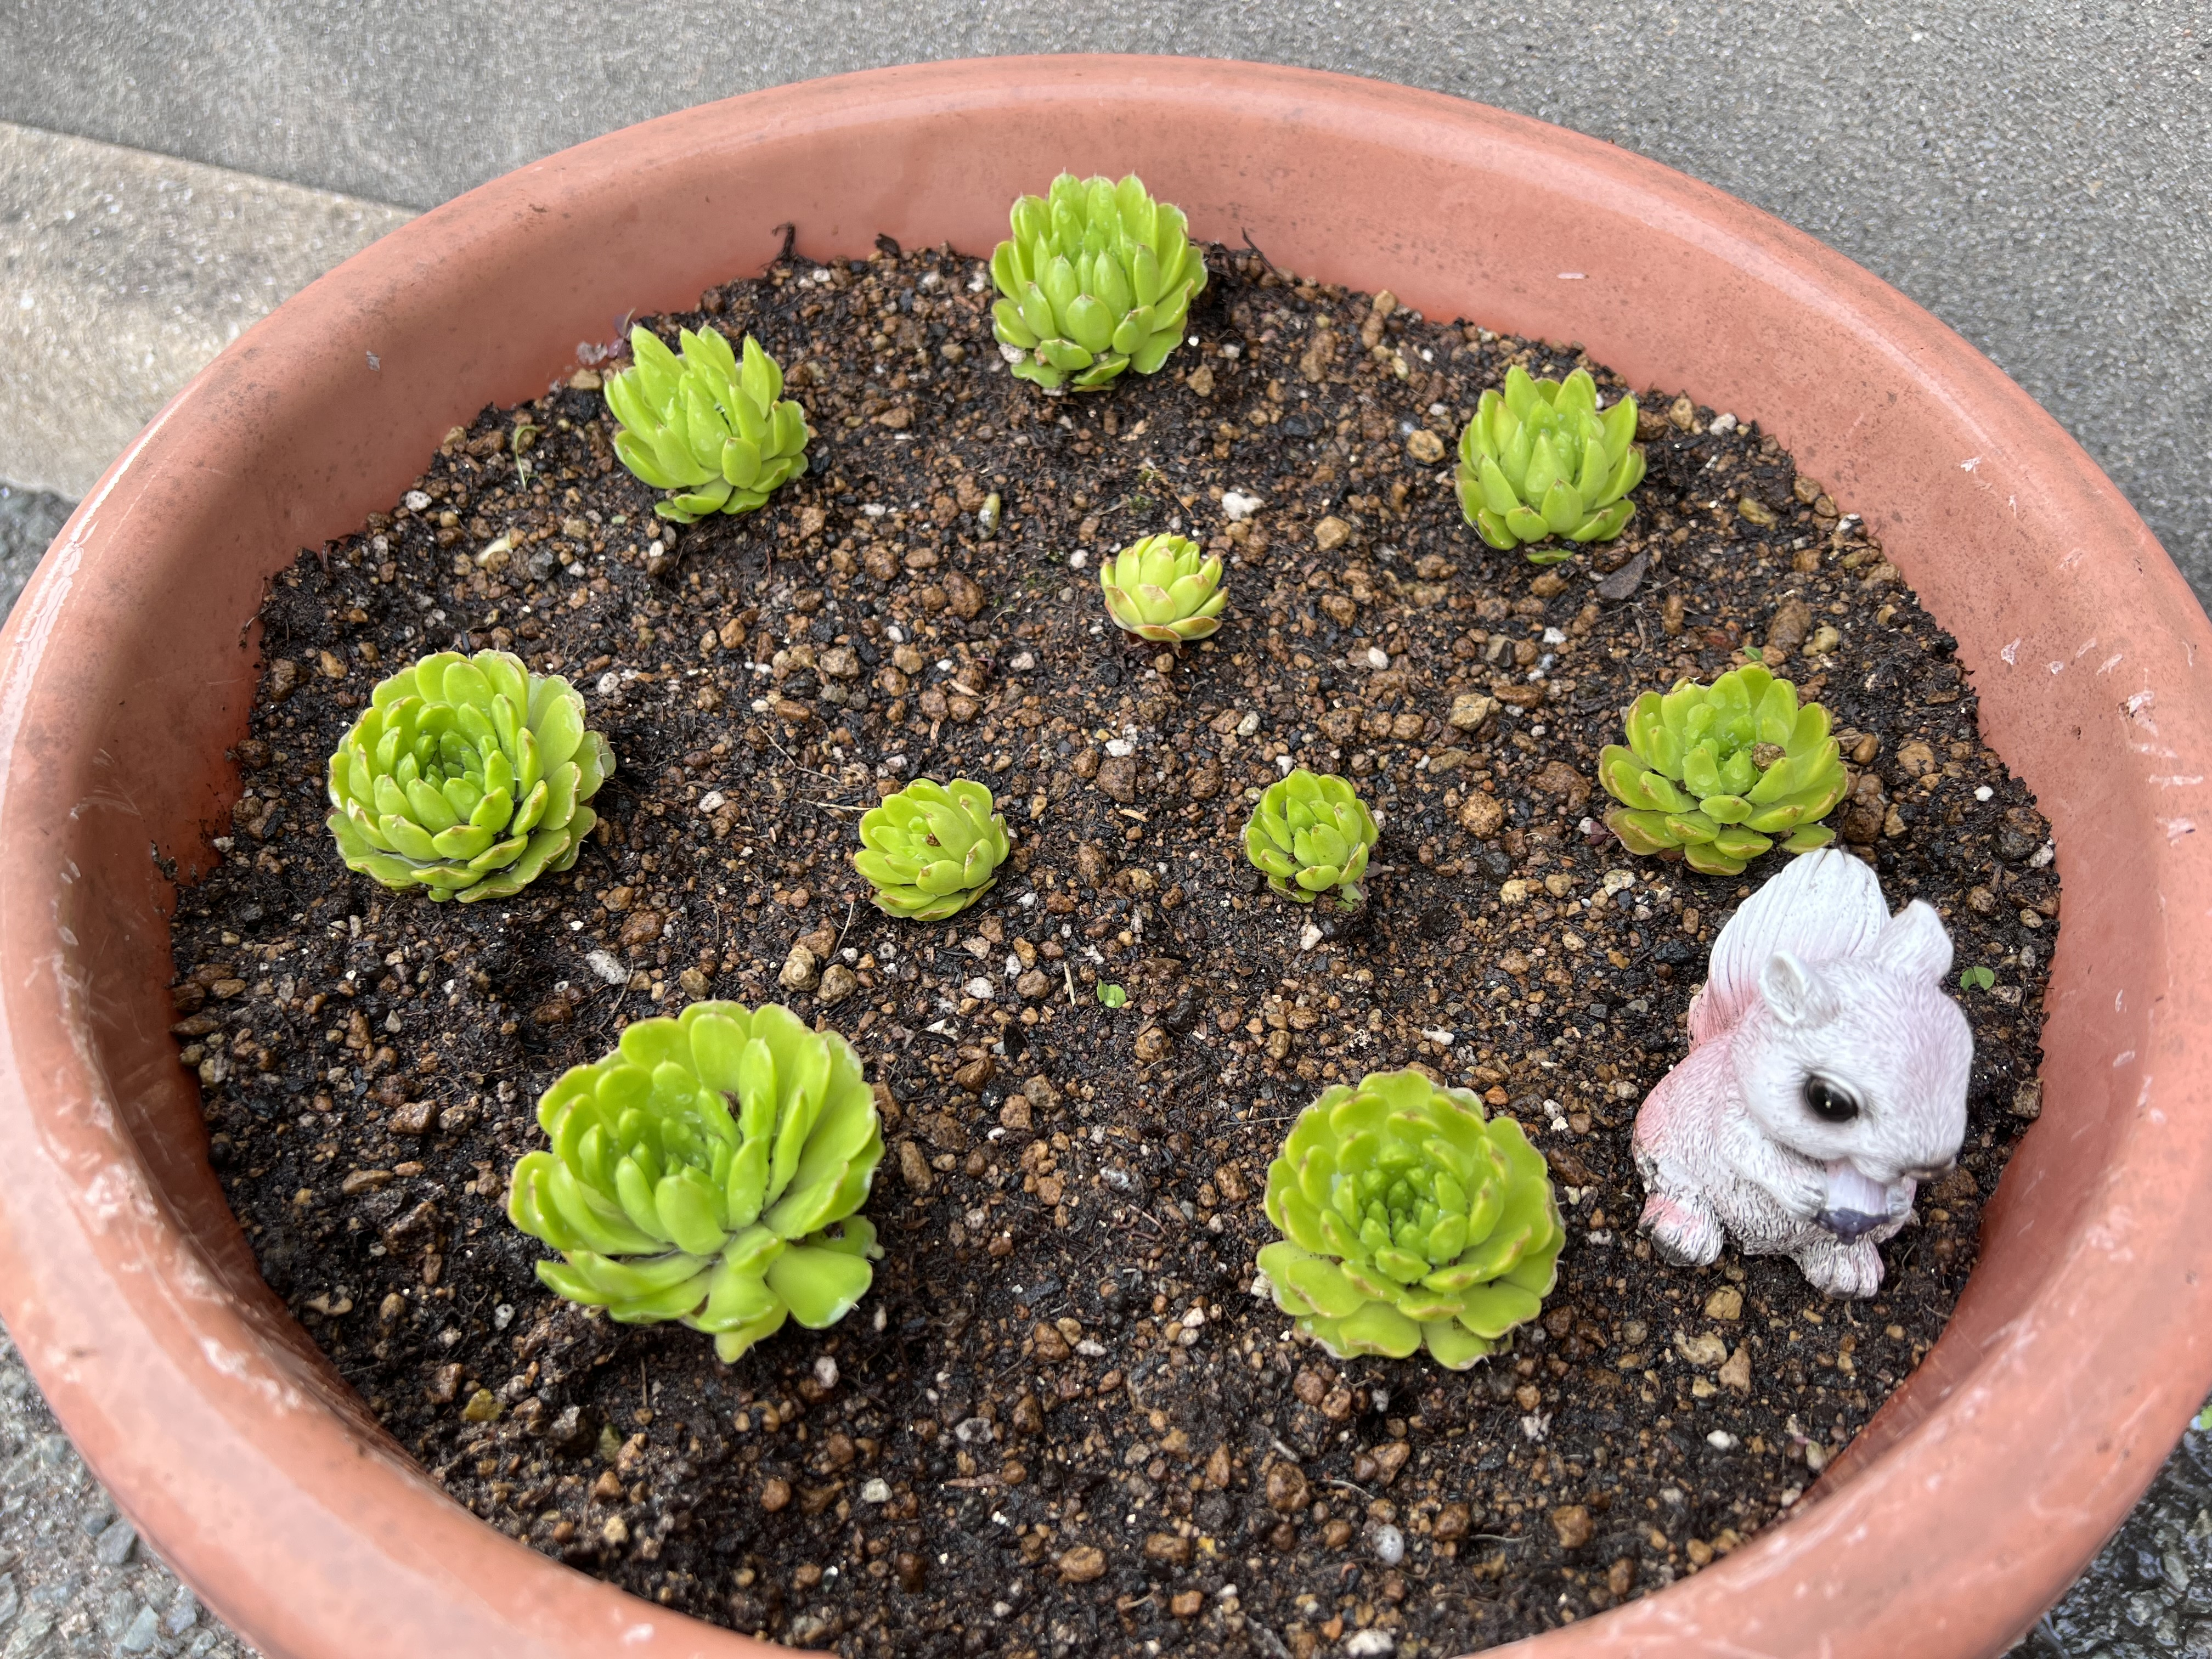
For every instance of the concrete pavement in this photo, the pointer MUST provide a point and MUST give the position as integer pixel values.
(2038, 173)
(122, 272)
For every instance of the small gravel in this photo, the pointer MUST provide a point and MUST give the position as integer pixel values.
(75, 1578)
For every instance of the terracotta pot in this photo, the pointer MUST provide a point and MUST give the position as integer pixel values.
(2085, 1336)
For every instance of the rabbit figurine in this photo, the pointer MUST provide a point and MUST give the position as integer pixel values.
(1826, 1076)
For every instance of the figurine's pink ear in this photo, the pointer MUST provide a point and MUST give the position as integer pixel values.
(1795, 992)
(1915, 944)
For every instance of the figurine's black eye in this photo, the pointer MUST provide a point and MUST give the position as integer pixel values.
(1830, 1102)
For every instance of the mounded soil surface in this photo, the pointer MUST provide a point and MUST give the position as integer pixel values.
(1060, 1423)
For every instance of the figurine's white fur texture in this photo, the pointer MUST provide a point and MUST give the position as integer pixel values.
(1826, 1075)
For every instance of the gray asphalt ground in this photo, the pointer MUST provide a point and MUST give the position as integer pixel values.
(2038, 174)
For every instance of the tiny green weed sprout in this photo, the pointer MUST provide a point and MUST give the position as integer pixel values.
(466, 776)
(1164, 588)
(1096, 278)
(1539, 461)
(718, 432)
(1720, 770)
(1111, 994)
(1311, 835)
(709, 1170)
(1978, 978)
(1409, 1221)
(932, 849)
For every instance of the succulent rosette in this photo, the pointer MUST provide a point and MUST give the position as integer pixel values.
(1098, 278)
(1539, 461)
(932, 849)
(1721, 770)
(1163, 587)
(466, 776)
(1409, 1221)
(1311, 834)
(709, 1170)
(718, 432)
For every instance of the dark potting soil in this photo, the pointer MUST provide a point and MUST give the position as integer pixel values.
(1060, 1423)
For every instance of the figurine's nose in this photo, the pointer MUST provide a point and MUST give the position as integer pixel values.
(1848, 1224)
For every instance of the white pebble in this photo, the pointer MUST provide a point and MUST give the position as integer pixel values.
(878, 1491)
(417, 502)
(980, 989)
(1721, 1440)
(1387, 1542)
(1079, 558)
(1377, 656)
(1248, 726)
(1240, 506)
(713, 801)
(1369, 1644)
(607, 967)
(825, 1371)
(1120, 748)
(1984, 793)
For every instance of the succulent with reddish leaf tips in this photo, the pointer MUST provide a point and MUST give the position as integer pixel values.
(1164, 588)
(466, 776)
(1539, 461)
(1720, 770)
(1409, 1221)
(709, 1170)
(1311, 834)
(1096, 278)
(931, 849)
(719, 433)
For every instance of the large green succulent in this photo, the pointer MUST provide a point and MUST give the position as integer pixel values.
(931, 850)
(467, 777)
(1540, 461)
(1720, 770)
(696, 1172)
(1096, 278)
(1311, 834)
(720, 433)
(1409, 1221)
(1163, 588)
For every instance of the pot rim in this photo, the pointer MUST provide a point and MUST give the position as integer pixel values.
(218, 1428)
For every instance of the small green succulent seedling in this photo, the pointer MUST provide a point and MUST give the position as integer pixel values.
(1096, 278)
(697, 1172)
(719, 433)
(1720, 770)
(1539, 461)
(931, 849)
(1978, 978)
(466, 776)
(1311, 835)
(1164, 588)
(1111, 995)
(1409, 1221)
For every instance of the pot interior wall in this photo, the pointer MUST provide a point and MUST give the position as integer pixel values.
(327, 410)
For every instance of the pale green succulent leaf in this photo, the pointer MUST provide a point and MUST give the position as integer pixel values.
(652, 1186)
(1420, 1207)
